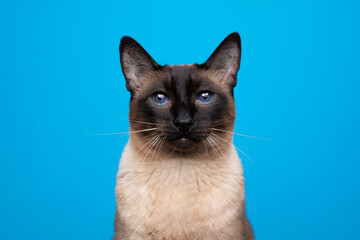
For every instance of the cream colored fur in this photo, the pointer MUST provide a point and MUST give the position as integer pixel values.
(179, 198)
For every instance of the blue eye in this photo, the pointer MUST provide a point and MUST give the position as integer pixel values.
(205, 97)
(159, 99)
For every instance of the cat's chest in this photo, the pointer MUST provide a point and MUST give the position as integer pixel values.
(178, 197)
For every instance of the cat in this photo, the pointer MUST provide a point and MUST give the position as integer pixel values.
(180, 176)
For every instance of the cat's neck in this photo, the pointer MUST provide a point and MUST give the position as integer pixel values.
(150, 153)
(180, 195)
(172, 167)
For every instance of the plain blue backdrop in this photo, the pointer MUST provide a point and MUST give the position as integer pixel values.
(61, 82)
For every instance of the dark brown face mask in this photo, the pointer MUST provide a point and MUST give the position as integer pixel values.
(189, 109)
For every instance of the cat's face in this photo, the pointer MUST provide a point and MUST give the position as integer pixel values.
(181, 109)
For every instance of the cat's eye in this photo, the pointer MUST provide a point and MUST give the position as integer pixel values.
(159, 99)
(205, 97)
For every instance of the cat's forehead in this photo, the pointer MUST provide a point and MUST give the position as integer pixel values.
(181, 79)
(182, 72)
(185, 76)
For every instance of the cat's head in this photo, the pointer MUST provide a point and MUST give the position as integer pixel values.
(181, 109)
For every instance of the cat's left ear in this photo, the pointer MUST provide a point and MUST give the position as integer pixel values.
(225, 60)
(135, 63)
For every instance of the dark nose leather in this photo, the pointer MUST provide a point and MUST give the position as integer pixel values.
(184, 123)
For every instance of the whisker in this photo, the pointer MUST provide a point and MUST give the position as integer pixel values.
(235, 147)
(143, 157)
(106, 134)
(207, 152)
(144, 130)
(239, 134)
(148, 142)
(133, 121)
(221, 120)
(119, 133)
(244, 154)
(213, 146)
(196, 151)
(157, 147)
(147, 148)
(214, 139)
(172, 151)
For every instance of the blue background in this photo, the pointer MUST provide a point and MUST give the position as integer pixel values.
(61, 81)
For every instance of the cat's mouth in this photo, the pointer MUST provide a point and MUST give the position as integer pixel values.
(183, 141)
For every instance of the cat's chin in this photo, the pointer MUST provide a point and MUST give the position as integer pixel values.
(183, 144)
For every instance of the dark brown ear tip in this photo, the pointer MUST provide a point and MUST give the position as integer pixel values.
(234, 37)
(127, 40)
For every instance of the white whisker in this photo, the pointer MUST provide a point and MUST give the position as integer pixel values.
(235, 147)
(145, 153)
(142, 122)
(126, 133)
(214, 139)
(213, 146)
(239, 134)
(148, 142)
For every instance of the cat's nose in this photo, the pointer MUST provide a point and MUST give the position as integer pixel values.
(184, 123)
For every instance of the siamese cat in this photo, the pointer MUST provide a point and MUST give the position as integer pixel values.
(180, 176)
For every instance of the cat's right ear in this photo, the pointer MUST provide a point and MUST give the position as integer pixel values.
(135, 63)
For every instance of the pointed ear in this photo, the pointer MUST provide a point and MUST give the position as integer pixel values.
(225, 60)
(135, 62)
